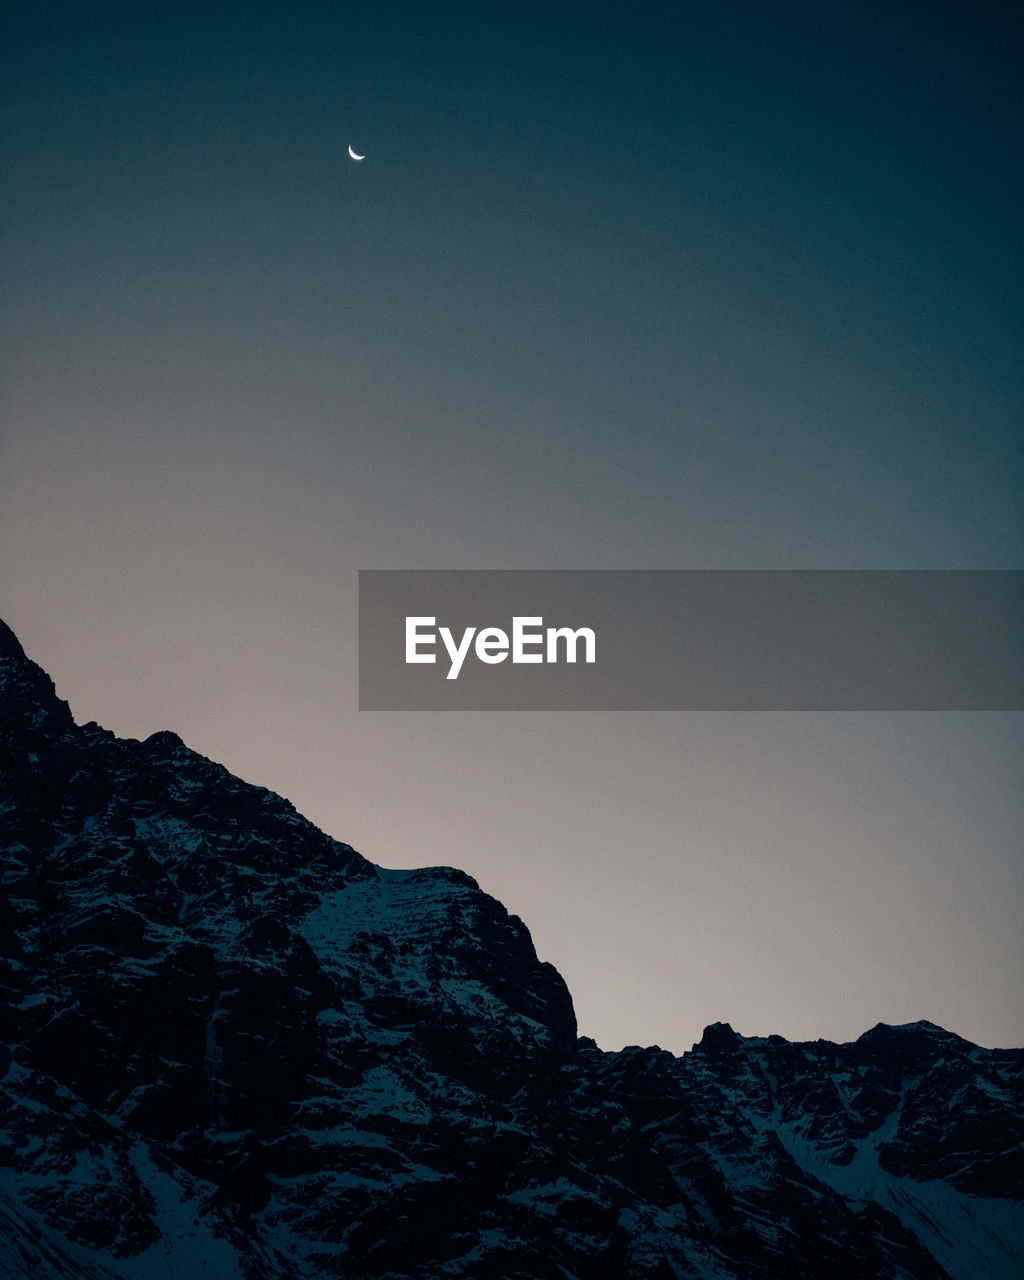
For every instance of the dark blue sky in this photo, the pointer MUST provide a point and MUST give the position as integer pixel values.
(752, 271)
(661, 286)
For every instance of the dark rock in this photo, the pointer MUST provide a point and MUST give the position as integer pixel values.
(231, 1041)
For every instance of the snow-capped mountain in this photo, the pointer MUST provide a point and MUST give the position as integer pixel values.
(233, 1047)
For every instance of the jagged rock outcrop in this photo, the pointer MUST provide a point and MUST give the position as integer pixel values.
(232, 1045)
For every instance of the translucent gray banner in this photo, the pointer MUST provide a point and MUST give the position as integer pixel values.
(691, 640)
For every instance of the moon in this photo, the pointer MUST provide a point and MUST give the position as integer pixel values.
(353, 154)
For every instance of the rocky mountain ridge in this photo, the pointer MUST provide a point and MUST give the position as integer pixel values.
(233, 1045)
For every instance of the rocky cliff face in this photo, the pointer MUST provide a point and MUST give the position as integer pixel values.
(232, 1046)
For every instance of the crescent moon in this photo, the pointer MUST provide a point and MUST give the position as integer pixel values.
(353, 154)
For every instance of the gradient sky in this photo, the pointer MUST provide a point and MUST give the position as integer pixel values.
(656, 286)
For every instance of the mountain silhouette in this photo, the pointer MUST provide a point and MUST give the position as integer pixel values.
(235, 1048)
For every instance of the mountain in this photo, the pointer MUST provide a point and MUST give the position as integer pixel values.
(233, 1047)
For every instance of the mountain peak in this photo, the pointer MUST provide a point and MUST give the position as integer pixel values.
(164, 740)
(921, 1031)
(10, 645)
(228, 1037)
(719, 1038)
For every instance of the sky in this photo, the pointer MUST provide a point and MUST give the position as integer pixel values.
(657, 286)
